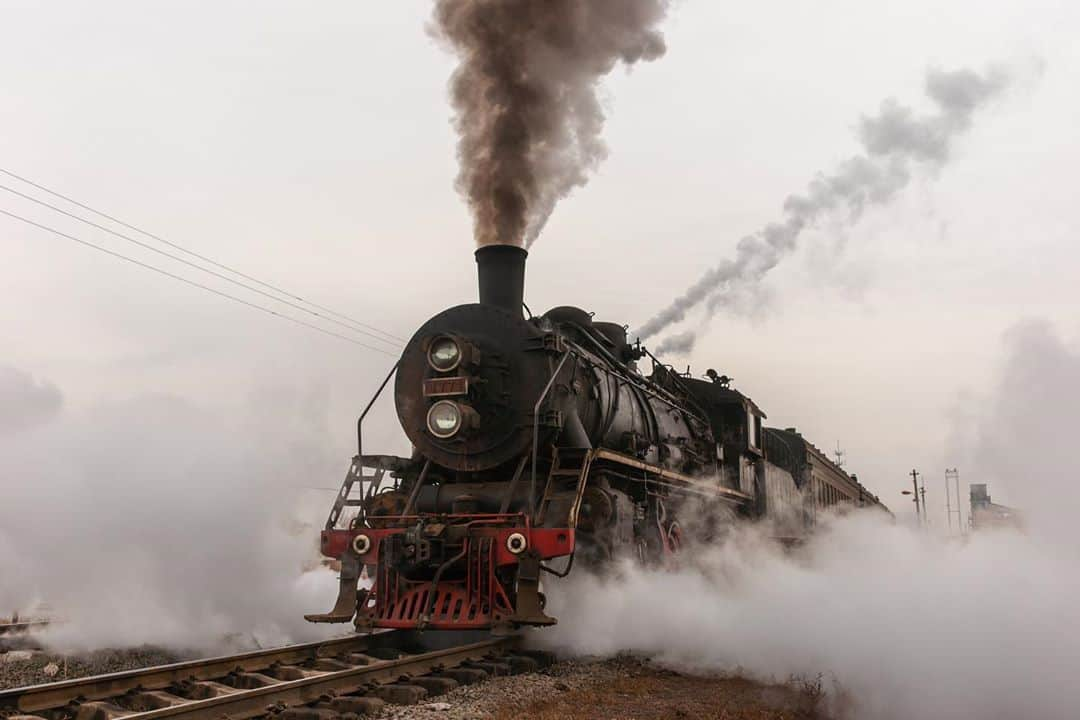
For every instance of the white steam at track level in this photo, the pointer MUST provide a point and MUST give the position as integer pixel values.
(899, 623)
(154, 520)
(895, 143)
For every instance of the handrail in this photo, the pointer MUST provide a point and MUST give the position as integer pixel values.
(536, 432)
(415, 493)
(360, 421)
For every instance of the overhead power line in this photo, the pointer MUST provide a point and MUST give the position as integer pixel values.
(193, 283)
(216, 274)
(194, 254)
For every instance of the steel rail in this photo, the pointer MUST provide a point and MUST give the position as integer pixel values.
(251, 703)
(99, 687)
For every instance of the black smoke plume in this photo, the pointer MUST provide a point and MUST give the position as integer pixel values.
(527, 113)
(895, 142)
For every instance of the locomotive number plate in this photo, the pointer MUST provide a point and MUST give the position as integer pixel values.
(446, 387)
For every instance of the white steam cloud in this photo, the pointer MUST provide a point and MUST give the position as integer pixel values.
(677, 344)
(156, 521)
(1023, 438)
(895, 143)
(898, 622)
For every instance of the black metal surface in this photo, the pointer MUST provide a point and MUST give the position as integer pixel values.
(501, 275)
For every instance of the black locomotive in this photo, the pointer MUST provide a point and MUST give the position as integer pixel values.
(537, 438)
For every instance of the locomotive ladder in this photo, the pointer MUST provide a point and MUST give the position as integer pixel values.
(369, 485)
(567, 464)
(345, 607)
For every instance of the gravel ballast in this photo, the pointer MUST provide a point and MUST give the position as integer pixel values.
(575, 689)
(621, 687)
(33, 667)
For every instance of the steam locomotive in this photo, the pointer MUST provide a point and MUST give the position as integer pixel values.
(537, 438)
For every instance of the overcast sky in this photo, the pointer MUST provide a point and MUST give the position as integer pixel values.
(310, 145)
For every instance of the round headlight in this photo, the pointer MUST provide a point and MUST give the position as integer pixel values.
(444, 354)
(444, 419)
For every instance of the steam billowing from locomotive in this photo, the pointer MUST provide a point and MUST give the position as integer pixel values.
(895, 142)
(525, 94)
(895, 620)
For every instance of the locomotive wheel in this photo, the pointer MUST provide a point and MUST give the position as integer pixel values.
(674, 537)
(661, 537)
(596, 510)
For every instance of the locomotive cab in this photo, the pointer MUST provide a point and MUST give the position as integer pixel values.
(738, 426)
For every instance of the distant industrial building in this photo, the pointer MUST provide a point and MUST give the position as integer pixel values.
(987, 514)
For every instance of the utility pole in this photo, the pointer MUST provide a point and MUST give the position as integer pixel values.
(915, 494)
(925, 514)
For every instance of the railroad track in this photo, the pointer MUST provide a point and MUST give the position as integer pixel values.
(311, 681)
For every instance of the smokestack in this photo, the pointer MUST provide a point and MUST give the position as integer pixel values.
(500, 271)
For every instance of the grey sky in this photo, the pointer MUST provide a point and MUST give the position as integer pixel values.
(311, 145)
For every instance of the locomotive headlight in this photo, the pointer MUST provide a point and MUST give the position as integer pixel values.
(444, 419)
(444, 354)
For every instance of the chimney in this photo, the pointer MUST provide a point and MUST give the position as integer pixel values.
(501, 273)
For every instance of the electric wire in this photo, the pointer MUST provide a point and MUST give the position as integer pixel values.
(204, 258)
(193, 283)
(216, 274)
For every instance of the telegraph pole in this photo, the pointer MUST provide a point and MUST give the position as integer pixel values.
(915, 494)
(925, 515)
